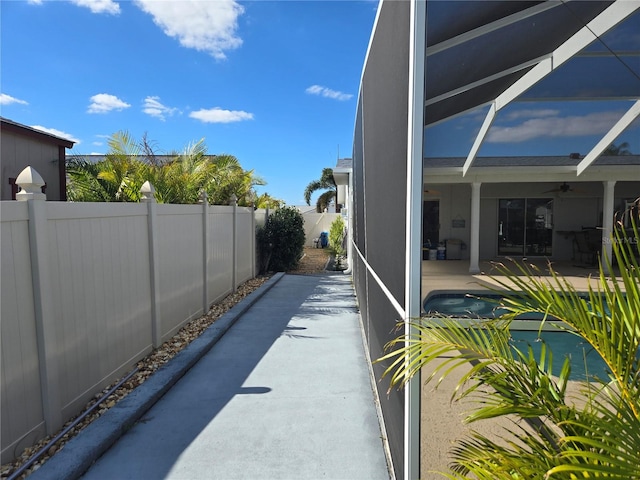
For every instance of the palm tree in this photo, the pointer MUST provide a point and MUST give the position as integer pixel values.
(182, 179)
(326, 182)
(229, 178)
(617, 150)
(128, 164)
(555, 434)
(267, 201)
(116, 178)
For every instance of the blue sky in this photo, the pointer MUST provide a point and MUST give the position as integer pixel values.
(535, 129)
(274, 83)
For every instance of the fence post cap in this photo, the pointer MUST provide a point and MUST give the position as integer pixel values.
(147, 191)
(30, 183)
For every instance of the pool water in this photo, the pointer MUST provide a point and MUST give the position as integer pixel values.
(584, 360)
(463, 305)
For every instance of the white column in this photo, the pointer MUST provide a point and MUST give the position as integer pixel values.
(413, 247)
(147, 196)
(474, 243)
(31, 183)
(607, 217)
(350, 212)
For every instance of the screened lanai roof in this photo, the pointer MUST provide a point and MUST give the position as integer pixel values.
(493, 53)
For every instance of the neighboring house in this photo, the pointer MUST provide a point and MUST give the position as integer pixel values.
(22, 146)
(432, 62)
(341, 177)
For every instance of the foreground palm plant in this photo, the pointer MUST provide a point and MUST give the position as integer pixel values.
(594, 433)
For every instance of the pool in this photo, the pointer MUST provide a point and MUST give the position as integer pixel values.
(525, 330)
(468, 305)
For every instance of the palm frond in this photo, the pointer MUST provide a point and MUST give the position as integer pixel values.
(595, 432)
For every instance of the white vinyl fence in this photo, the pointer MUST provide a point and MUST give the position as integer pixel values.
(315, 224)
(88, 289)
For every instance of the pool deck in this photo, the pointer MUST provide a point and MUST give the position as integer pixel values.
(441, 419)
(448, 275)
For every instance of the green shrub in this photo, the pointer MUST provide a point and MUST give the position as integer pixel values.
(336, 237)
(281, 240)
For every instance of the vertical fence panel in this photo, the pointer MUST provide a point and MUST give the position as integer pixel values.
(102, 299)
(315, 224)
(180, 258)
(261, 216)
(220, 254)
(244, 242)
(205, 250)
(100, 263)
(22, 419)
(46, 325)
(154, 274)
(234, 244)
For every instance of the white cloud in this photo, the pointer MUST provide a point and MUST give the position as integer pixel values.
(8, 100)
(96, 6)
(57, 133)
(532, 113)
(208, 26)
(153, 107)
(103, 103)
(328, 93)
(218, 115)
(99, 6)
(572, 126)
(97, 144)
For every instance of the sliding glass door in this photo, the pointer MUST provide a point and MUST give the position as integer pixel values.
(525, 226)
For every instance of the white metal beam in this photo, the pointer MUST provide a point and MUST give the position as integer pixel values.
(488, 121)
(493, 26)
(483, 81)
(598, 26)
(610, 136)
(608, 19)
(413, 246)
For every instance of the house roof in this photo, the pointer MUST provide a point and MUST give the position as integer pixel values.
(493, 53)
(531, 169)
(342, 171)
(546, 161)
(11, 126)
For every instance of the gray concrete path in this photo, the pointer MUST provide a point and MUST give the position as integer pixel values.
(285, 393)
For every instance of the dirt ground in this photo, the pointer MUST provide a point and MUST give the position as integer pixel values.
(314, 260)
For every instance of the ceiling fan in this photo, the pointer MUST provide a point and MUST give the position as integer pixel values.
(564, 188)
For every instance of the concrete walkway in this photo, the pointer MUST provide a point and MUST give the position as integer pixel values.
(285, 393)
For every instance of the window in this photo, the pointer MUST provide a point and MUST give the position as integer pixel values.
(525, 226)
